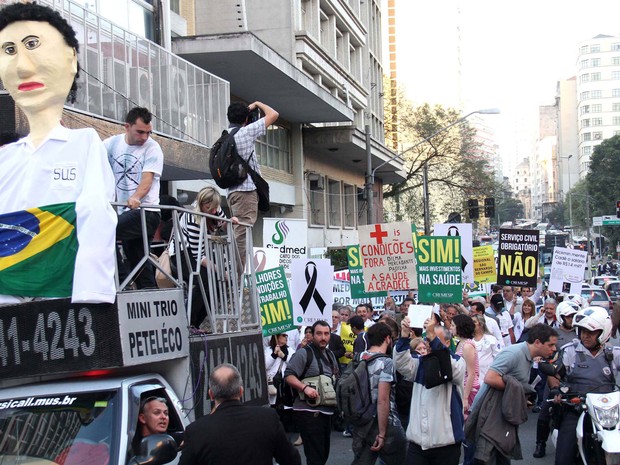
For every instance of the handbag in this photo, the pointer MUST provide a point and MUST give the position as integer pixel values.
(324, 385)
(163, 281)
(274, 382)
(262, 186)
(437, 368)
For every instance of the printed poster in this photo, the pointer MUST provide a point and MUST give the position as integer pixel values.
(567, 270)
(311, 290)
(265, 259)
(356, 276)
(518, 257)
(289, 237)
(387, 257)
(342, 293)
(274, 299)
(464, 231)
(484, 264)
(439, 269)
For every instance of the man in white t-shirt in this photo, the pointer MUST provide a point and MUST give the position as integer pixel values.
(137, 162)
(503, 318)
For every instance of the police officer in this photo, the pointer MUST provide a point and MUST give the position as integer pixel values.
(589, 367)
(566, 333)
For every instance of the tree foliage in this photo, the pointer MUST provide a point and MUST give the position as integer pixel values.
(456, 171)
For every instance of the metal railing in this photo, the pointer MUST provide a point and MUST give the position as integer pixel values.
(228, 293)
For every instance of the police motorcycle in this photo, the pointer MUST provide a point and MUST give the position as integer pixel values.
(598, 426)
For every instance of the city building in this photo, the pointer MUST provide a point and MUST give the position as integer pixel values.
(598, 94)
(520, 182)
(543, 165)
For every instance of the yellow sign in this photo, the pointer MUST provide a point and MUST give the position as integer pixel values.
(484, 264)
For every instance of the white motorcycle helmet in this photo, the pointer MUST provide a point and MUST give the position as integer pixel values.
(594, 319)
(567, 308)
(583, 303)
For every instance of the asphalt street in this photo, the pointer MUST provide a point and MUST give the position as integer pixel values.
(341, 453)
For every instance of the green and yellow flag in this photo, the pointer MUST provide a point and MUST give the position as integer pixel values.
(37, 251)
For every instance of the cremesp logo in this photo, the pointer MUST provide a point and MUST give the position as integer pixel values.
(281, 232)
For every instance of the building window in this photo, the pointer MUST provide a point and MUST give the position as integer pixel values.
(586, 136)
(615, 107)
(615, 61)
(583, 64)
(349, 206)
(586, 150)
(175, 6)
(597, 135)
(585, 109)
(585, 95)
(585, 123)
(583, 49)
(316, 186)
(595, 76)
(615, 121)
(595, 48)
(333, 201)
(597, 108)
(615, 75)
(584, 78)
(616, 133)
(615, 92)
(594, 62)
(597, 94)
(273, 149)
(615, 47)
(597, 121)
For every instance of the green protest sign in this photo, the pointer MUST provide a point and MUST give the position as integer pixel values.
(439, 269)
(274, 298)
(356, 275)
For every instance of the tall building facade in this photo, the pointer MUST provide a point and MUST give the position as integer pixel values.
(543, 165)
(598, 94)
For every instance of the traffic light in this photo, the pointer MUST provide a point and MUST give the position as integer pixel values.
(618, 208)
(489, 207)
(472, 204)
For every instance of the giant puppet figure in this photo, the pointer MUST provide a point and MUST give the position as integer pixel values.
(57, 228)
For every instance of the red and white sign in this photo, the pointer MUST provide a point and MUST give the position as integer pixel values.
(387, 255)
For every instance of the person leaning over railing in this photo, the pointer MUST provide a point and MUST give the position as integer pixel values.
(207, 201)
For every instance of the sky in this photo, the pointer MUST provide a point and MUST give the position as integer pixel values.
(510, 56)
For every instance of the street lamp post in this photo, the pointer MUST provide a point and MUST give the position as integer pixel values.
(370, 174)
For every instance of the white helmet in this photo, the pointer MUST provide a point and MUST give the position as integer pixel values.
(583, 303)
(594, 319)
(567, 308)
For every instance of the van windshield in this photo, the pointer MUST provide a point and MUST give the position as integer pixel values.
(66, 429)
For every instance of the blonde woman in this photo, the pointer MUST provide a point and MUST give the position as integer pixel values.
(208, 201)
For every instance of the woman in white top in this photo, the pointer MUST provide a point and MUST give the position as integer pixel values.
(277, 353)
(487, 345)
(521, 325)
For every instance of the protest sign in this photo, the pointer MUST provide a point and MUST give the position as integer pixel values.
(289, 237)
(567, 270)
(439, 269)
(464, 231)
(484, 264)
(418, 314)
(265, 259)
(387, 257)
(518, 257)
(356, 275)
(311, 290)
(342, 293)
(276, 308)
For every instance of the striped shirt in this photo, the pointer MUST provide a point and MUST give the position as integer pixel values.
(190, 231)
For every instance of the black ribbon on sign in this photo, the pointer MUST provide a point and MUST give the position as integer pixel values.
(260, 265)
(311, 292)
(463, 261)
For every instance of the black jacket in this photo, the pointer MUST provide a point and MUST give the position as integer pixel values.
(240, 435)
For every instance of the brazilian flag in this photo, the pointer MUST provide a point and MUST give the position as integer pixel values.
(37, 251)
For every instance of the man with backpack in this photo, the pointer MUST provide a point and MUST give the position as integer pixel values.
(314, 407)
(382, 435)
(243, 198)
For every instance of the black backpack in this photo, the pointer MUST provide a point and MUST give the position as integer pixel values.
(353, 392)
(226, 165)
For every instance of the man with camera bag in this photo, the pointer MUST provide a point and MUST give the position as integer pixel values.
(243, 198)
(316, 403)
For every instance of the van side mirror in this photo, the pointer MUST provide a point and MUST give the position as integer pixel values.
(156, 449)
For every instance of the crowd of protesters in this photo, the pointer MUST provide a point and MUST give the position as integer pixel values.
(486, 344)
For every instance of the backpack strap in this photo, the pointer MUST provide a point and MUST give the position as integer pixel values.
(309, 358)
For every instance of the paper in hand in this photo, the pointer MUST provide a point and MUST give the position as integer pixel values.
(418, 314)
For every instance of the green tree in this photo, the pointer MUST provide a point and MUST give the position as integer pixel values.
(456, 171)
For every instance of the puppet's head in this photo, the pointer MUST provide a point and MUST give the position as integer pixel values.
(38, 56)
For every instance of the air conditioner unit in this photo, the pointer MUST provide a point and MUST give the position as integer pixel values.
(317, 182)
(140, 85)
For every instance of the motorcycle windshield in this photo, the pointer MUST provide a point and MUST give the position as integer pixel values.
(68, 429)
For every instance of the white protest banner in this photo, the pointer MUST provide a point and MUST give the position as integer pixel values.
(311, 290)
(463, 230)
(567, 270)
(388, 261)
(418, 314)
(342, 293)
(289, 237)
(265, 259)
